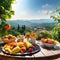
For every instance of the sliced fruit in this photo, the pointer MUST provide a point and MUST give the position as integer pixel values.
(27, 44)
(20, 44)
(8, 49)
(15, 50)
(56, 42)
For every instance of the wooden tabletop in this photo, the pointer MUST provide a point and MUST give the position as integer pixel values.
(44, 54)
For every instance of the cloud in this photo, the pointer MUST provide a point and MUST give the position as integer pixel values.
(41, 14)
(45, 12)
(45, 6)
(20, 13)
(24, 14)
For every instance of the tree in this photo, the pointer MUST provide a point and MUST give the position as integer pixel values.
(6, 12)
(18, 28)
(23, 29)
(55, 33)
(56, 14)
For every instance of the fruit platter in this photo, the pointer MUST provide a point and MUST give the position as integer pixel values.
(19, 46)
(48, 42)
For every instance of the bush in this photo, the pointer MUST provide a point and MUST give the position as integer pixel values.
(43, 34)
(55, 33)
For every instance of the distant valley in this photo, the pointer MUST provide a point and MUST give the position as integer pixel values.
(32, 23)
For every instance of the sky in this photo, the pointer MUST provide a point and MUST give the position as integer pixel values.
(33, 9)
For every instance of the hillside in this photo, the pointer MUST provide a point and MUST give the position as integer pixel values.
(32, 23)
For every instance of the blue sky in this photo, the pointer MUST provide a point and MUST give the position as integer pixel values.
(34, 9)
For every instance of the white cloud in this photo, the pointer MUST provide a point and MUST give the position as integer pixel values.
(22, 14)
(45, 6)
(42, 14)
(45, 12)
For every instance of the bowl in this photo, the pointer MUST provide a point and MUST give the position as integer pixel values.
(8, 38)
(48, 45)
(48, 42)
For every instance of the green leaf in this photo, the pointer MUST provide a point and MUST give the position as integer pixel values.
(12, 12)
(6, 12)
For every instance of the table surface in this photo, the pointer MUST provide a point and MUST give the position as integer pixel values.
(44, 54)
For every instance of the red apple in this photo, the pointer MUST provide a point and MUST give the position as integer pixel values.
(7, 26)
(23, 49)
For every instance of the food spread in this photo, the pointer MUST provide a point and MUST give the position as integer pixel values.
(21, 46)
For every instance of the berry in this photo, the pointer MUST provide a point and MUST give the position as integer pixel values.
(35, 45)
(30, 49)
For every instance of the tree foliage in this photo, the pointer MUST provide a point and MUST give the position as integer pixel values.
(6, 12)
(56, 30)
(6, 9)
(56, 14)
(55, 33)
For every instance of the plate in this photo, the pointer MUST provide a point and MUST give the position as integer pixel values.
(2, 43)
(35, 50)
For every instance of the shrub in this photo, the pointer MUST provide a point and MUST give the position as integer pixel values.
(55, 33)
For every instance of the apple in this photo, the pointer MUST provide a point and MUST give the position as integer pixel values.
(23, 49)
(7, 26)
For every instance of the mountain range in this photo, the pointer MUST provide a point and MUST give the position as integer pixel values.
(30, 23)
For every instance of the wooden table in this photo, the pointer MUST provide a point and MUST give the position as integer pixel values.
(44, 54)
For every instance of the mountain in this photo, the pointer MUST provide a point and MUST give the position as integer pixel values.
(30, 23)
